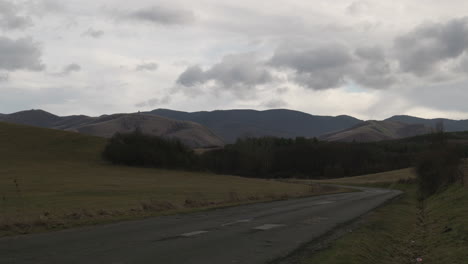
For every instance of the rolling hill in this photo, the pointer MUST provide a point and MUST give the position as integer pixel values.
(192, 134)
(233, 124)
(371, 131)
(189, 133)
(449, 124)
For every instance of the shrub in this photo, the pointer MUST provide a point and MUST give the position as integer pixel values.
(438, 168)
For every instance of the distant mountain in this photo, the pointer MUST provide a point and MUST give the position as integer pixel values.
(371, 131)
(37, 118)
(449, 124)
(190, 133)
(234, 124)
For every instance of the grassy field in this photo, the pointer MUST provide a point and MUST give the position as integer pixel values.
(52, 179)
(435, 230)
(383, 179)
(377, 178)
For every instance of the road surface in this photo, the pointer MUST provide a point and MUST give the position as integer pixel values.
(255, 233)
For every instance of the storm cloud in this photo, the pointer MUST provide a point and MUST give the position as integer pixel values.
(20, 54)
(422, 50)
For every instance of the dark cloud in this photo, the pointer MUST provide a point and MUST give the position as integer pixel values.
(162, 15)
(373, 53)
(335, 65)
(321, 68)
(421, 50)
(10, 17)
(93, 33)
(20, 54)
(373, 69)
(150, 66)
(193, 75)
(234, 71)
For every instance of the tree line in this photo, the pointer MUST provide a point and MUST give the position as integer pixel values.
(269, 157)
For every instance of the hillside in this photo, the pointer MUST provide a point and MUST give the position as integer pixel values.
(190, 133)
(233, 124)
(51, 179)
(449, 124)
(371, 131)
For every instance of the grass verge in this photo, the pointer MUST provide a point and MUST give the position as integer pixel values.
(435, 231)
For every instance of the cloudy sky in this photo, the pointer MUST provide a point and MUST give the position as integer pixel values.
(368, 58)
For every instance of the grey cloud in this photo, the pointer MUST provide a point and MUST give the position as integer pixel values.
(162, 15)
(321, 68)
(192, 76)
(14, 98)
(282, 90)
(312, 60)
(373, 68)
(373, 53)
(4, 77)
(358, 7)
(445, 97)
(275, 103)
(241, 70)
(421, 50)
(10, 19)
(150, 66)
(20, 54)
(69, 69)
(335, 65)
(42, 7)
(154, 102)
(93, 33)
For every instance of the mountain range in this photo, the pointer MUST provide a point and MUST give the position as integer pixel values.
(232, 124)
(371, 131)
(192, 134)
(213, 129)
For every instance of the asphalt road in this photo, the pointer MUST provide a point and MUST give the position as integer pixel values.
(255, 233)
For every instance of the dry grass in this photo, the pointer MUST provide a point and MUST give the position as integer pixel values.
(53, 179)
(373, 179)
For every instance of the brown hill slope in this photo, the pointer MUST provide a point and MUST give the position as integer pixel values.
(192, 134)
(371, 131)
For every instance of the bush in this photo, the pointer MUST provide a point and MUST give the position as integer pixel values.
(138, 149)
(438, 168)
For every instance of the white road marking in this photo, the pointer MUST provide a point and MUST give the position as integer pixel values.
(237, 222)
(267, 227)
(195, 233)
